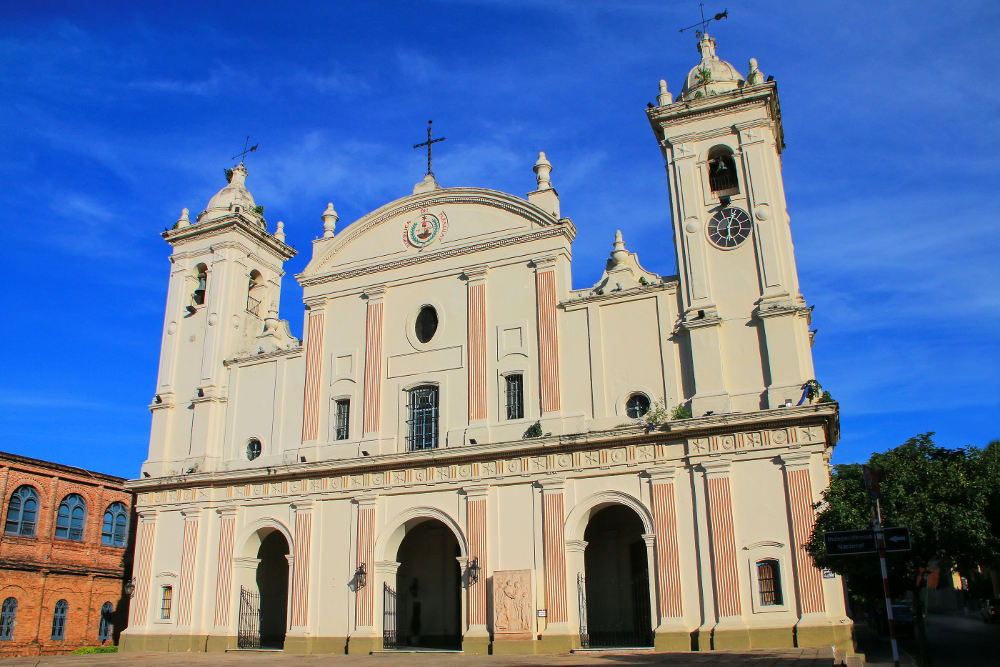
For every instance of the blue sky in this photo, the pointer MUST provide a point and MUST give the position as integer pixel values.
(117, 115)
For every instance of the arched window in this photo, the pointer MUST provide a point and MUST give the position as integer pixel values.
(22, 512)
(201, 275)
(255, 292)
(8, 613)
(71, 517)
(423, 421)
(637, 405)
(722, 171)
(769, 582)
(59, 619)
(114, 532)
(105, 625)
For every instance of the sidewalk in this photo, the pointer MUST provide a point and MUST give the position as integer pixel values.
(765, 658)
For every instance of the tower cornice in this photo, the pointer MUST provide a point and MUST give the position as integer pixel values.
(233, 222)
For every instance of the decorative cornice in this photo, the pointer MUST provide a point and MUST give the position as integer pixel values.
(546, 233)
(669, 286)
(232, 222)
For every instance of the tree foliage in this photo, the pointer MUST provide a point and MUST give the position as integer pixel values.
(948, 498)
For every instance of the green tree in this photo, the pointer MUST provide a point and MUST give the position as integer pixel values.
(942, 495)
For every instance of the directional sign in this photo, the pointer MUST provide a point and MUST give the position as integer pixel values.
(897, 538)
(849, 542)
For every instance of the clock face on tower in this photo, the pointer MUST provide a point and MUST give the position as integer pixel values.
(729, 227)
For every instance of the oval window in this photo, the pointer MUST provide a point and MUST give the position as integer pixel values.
(637, 405)
(427, 324)
(253, 449)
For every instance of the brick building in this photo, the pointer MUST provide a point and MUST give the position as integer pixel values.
(65, 553)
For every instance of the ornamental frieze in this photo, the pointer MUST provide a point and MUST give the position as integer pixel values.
(607, 458)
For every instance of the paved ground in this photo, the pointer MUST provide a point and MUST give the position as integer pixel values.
(953, 640)
(776, 658)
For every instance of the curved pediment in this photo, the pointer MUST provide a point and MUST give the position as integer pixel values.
(424, 225)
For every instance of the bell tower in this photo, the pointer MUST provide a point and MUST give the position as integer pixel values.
(747, 323)
(222, 303)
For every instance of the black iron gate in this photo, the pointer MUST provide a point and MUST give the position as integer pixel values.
(389, 639)
(639, 635)
(248, 632)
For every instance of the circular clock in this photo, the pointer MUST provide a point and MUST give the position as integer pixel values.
(729, 227)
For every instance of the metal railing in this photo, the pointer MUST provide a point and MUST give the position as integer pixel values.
(253, 306)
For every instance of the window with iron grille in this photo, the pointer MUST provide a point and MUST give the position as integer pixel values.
(70, 518)
(115, 529)
(343, 419)
(166, 599)
(104, 627)
(423, 421)
(769, 582)
(22, 512)
(637, 405)
(515, 396)
(59, 620)
(8, 614)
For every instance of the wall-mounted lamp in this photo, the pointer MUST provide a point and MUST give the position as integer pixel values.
(130, 587)
(360, 576)
(473, 570)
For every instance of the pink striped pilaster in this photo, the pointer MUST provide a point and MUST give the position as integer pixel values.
(300, 565)
(477, 342)
(314, 371)
(720, 521)
(808, 579)
(554, 539)
(373, 362)
(548, 333)
(189, 553)
(476, 531)
(668, 570)
(364, 598)
(224, 573)
(144, 540)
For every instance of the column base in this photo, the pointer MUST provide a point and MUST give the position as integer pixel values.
(777, 637)
(825, 632)
(302, 644)
(138, 643)
(672, 640)
(219, 643)
(730, 636)
(363, 644)
(476, 645)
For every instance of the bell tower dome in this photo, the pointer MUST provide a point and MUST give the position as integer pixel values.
(740, 302)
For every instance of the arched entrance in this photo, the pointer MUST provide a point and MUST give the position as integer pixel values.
(429, 587)
(614, 592)
(272, 583)
(263, 575)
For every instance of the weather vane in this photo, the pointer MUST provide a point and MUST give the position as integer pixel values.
(247, 149)
(428, 144)
(705, 21)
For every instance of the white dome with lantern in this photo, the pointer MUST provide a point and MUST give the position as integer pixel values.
(712, 75)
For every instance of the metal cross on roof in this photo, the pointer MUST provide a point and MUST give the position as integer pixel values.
(247, 149)
(705, 21)
(428, 144)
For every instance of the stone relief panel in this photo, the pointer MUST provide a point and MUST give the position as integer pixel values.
(513, 609)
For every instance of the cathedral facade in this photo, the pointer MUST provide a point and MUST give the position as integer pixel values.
(465, 452)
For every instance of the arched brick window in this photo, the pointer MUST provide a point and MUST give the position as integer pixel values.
(104, 627)
(22, 512)
(8, 614)
(114, 532)
(59, 620)
(71, 518)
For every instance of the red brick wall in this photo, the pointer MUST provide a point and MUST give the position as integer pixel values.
(40, 571)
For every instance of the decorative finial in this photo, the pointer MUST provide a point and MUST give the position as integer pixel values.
(706, 47)
(664, 97)
(543, 172)
(754, 76)
(330, 219)
(184, 220)
(279, 231)
(619, 254)
(271, 321)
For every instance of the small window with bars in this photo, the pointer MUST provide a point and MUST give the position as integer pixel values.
(343, 419)
(166, 600)
(769, 582)
(515, 396)
(423, 421)
(59, 620)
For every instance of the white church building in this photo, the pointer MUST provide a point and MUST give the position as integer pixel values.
(464, 452)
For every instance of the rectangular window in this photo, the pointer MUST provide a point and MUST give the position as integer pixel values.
(769, 581)
(423, 421)
(165, 602)
(515, 396)
(343, 419)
